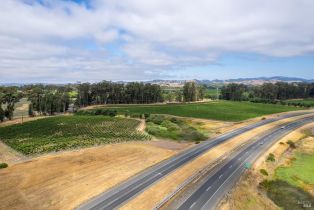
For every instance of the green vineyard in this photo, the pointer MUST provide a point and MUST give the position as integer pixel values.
(64, 132)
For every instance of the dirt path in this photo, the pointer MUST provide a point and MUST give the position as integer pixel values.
(8, 155)
(141, 127)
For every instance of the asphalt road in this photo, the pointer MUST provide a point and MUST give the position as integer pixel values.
(223, 177)
(123, 192)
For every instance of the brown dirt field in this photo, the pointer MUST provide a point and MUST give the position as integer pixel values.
(65, 180)
(246, 194)
(154, 194)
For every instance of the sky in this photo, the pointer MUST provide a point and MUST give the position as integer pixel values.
(60, 41)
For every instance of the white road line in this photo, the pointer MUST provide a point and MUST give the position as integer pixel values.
(220, 176)
(230, 166)
(208, 188)
(192, 205)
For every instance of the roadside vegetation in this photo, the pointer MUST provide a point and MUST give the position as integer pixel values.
(66, 132)
(218, 110)
(174, 128)
(292, 182)
(3, 165)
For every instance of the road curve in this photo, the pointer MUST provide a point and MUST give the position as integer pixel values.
(224, 176)
(123, 192)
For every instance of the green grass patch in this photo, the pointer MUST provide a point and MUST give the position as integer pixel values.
(300, 172)
(64, 132)
(287, 196)
(173, 128)
(217, 110)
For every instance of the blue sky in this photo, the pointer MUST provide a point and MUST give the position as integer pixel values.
(93, 40)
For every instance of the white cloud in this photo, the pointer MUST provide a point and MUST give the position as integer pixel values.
(151, 37)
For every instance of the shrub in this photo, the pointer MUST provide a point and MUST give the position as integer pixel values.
(264, 172)
(291, 144)
(265, 184)
(146, 115)
(3, 165)
(270, 157)
(170, 125)
(281, 143)
(157, 119)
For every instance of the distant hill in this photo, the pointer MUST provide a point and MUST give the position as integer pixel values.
(246, 81)
(216, 82)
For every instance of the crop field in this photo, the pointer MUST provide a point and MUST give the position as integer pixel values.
(64, 132)
(217, 110)
(308, 101)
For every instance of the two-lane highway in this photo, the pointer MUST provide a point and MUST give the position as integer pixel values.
(115, 197)
(224, 176)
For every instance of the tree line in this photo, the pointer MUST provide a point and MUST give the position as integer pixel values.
(267, 92)
(52, 99)
(193, 92)
(47, 99)
(8, 97)
(116, 93)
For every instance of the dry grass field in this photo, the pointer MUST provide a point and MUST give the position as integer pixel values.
(65, 180)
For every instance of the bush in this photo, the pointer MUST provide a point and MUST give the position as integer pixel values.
(155, 130)
(157, 119)
(270, 157)
(170, 126)
(104, 112)
(281, 143)
(98, 112)
(3, 165)
(264, 172)
(146, 115)
(291, 144)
